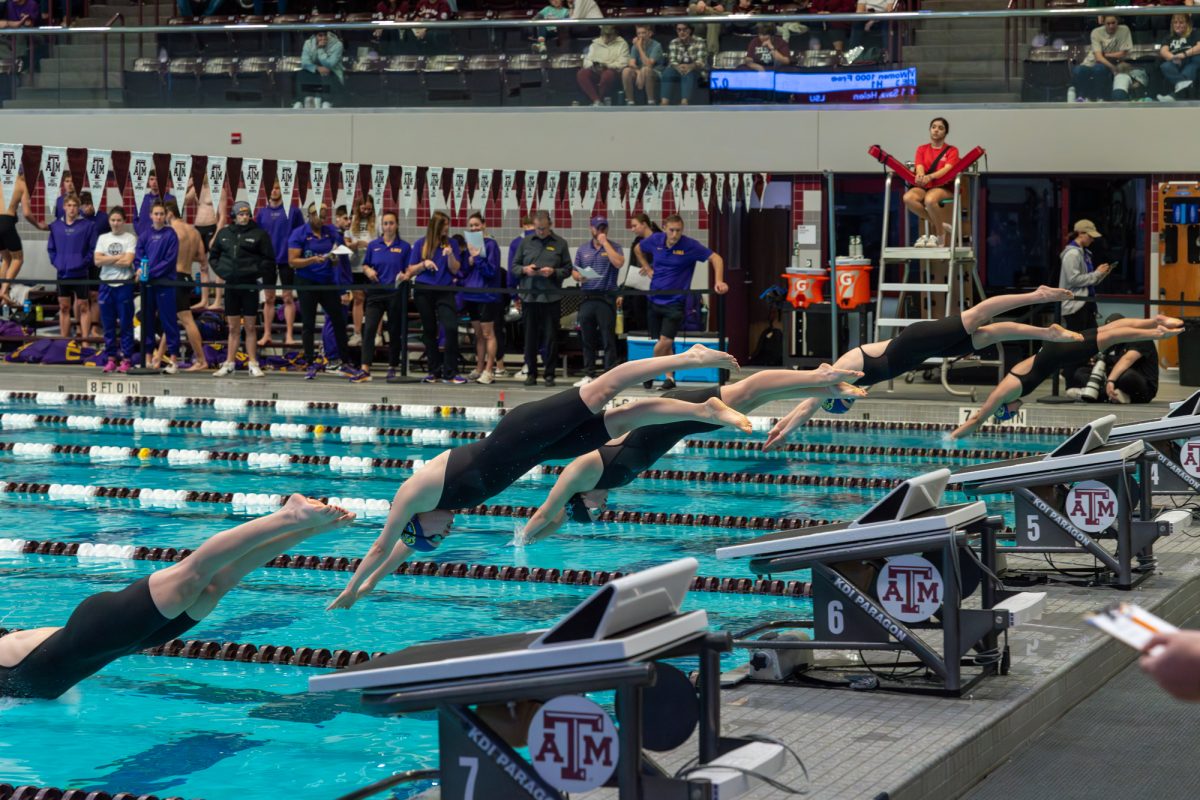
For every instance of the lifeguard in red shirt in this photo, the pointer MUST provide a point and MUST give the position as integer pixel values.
(933, 163)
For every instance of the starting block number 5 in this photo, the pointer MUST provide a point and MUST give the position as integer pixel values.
(1032, 530)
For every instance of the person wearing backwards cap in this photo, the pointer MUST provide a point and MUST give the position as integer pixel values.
(1080, 277)
(597, 264)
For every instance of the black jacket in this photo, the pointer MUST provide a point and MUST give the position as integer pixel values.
(549, 252)
(241, 252)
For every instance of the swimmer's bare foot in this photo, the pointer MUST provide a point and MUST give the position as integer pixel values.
(1052, 294)
(1057, 333)
(197, 366)
(305, 512)
(722, 414)
(1166, 333)
(847, 390)
(705, 357)
(290, 343)
(265, 341)
(1170, 323)
(832, 375)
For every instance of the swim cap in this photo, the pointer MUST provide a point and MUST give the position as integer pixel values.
(837, 405)
(579, 510)
(1004, 413)
(414, 537)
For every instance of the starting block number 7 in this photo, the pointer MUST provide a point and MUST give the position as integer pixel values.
(1019, 421)
(472, 765)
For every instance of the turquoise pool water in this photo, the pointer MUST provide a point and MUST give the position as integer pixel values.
(199, 728)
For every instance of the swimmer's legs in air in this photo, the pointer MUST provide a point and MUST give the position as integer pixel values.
(599, 392)
(985, 311)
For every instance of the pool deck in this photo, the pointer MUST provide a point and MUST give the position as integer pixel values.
(854, 744)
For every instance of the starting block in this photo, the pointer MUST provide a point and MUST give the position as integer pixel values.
(1069, 500)
(613, 640)
(904, 566)
(1171, 464)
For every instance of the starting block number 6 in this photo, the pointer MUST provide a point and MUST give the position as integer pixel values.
(837, 622)
(472, 765)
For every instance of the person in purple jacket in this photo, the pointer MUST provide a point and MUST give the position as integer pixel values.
(279, 220)
(385, 266)
(72, 243)
(670, 258)
(481, 267)
(23, 14)
(434, 262)
(143, 222)
(156, 255)
(310, 254)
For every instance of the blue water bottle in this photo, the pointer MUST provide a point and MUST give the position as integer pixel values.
(144, 270)
(27, 307)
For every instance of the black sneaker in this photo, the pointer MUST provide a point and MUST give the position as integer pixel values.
(549, 380)
(667, 385)
(648, 385)
(531, 380)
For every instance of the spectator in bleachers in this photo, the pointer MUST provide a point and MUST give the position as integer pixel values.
(543, 262)
(142, 223)
(557, 9)
(210, 217)
(1156, 26)
(241, 253)
(158, 249)
(114, 255)
(385, 266)
(832, 35)
(1180, 62)
(585, 9)
(646, 60)
(434, 262)
(767, 50)
(1110, 43)
(322, 73)
(859, 30)
(674, 258)
(70, 248)
(362, 231)
(279, 221)
(482, 267)
(432, 11)
(310, 254)
(712, 32)
(597, 263)
(23, 14)
(605, 56)
(686, 64)
(67, 189)
(741, 8)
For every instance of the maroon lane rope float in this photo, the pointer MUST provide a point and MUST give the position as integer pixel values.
(10, 792)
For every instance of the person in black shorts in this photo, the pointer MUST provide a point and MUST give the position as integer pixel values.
(239, 253)
(1026, 376)
(564, 425)
(581, 491)
(1132, 372)
(45, 662)
(10, 240)
(950, 337)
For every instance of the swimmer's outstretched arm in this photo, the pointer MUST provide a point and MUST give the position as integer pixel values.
(581, 475)
(798, 416)
(1008, 390)
(417, 495)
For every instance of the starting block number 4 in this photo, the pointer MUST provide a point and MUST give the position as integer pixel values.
(1019, 421)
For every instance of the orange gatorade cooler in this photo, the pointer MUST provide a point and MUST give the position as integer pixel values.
(805, 287)
(853, 282)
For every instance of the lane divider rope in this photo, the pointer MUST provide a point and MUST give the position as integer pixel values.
(29, 792)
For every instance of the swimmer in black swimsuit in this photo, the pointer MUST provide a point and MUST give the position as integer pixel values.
(581, 491)
(45, 662)
(952, 337)
(1026, 376)
(564, 425)
(12, 255)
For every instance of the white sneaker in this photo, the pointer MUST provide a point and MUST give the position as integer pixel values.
(255, 370)
(298, 104)
(1179, 87)
(485, 378)
(1074, 392)
(584, 381)
(170, 367)
(1166, 98)
(1123, 397)
(225, 369)
(355, 341)
(922, 241)
(852, 55)
(499, 372)
(524, 373)
(474, 376)
(326, 104)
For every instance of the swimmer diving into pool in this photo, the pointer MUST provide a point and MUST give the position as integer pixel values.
(952, 337)
(1026, 376)
(45, 662)
(564, 425)
(581, 491)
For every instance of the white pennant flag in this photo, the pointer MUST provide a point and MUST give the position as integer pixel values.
(252, 176)
(433, 183)
(10, 166)
(99, 164)
(140, 165)
(508, 191)
(677, 191)
(735, 179)
(748, 187)
(181, 172)
(349, 185)
(54, 161)
(531, 181)
(705, 184)
(483, 190)
(408, 190)
(635, 189)
(689, 192)
(318, 176)
(652, 196)
(593, 190)
(459, 187)
(573, 184)
(720, 191)
(550, 196)
(614, 192)
(215, 168)
(408, 187)
(285, 173)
